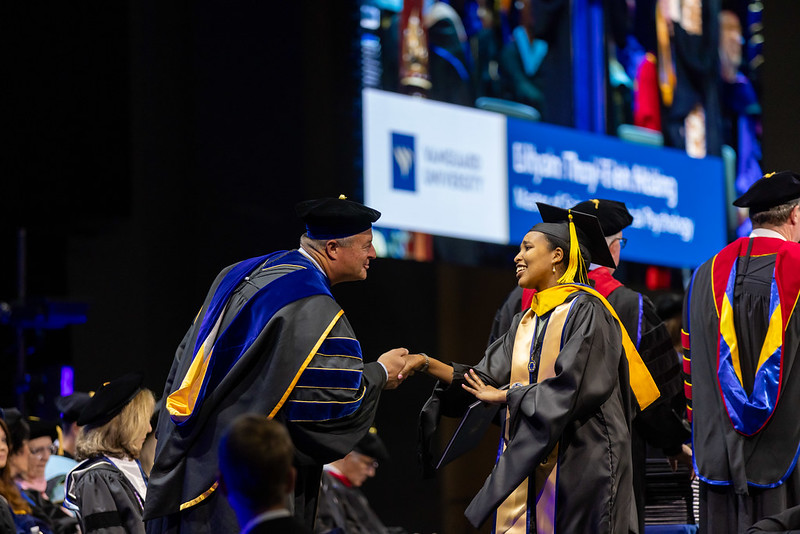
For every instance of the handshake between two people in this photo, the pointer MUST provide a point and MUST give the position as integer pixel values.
(401, 364)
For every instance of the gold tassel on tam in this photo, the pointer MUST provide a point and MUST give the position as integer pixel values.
(60, 438)
(576, 265)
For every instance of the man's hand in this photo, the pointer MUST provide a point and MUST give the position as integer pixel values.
(394, 363)
(413, 362)
(684, 457)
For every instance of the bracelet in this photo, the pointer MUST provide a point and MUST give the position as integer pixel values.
(427, 363)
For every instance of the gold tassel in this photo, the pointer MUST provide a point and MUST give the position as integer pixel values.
(576, 265)
(60, 438)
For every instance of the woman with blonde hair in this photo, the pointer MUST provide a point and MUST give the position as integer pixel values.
(108, 488)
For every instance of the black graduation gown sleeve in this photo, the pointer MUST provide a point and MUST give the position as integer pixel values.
(451, 400)
(50, 514)
(6, 516)
(321, 442)
(785, 522)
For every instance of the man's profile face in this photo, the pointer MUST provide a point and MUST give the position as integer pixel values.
(614, 246)
(794, 217)
(358, 468)
(353, 259)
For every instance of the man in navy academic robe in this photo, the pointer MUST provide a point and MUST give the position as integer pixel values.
(270, 339)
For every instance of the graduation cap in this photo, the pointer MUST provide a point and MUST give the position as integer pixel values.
(71, 406)
(110, 399)
(612, 214)
(332, 218)
(581, 237)
(42, 427)
(770, 190)
(372, 445)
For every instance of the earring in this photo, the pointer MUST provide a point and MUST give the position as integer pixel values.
(554, 269)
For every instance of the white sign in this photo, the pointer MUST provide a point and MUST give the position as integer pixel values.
(436, 168)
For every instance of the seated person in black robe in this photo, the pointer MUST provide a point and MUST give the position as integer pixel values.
(15, 511)
(49, 516)
(343, 507)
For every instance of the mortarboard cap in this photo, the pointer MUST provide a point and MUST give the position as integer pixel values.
(770, 190)
(110, 399)
(332, 218)
(612, 214)
(42, 427)
(588, 235)
(71, 406)
(372, 445)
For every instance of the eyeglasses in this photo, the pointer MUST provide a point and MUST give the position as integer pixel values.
(41, 452)
(367, 461)
(622, 241)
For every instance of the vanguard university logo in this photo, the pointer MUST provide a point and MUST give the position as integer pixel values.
(403, 162)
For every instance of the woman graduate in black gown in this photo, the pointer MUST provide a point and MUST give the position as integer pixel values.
(564, 464)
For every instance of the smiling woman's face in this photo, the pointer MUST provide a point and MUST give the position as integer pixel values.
(534, 262)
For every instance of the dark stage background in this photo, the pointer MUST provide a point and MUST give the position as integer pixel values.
(149, 144)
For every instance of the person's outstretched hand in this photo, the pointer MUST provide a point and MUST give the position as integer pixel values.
(394, 362)
(413, 362)
(483, 392)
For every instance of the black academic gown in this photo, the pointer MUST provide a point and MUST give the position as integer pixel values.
(748, 472)
(106, 501)
(786, 522)
(585, 408)
(659, 425)
(49, 513)
(345, 509)
(182, 492)
(6, 516)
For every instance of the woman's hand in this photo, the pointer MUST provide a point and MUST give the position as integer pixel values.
(413, 364)
(489, 394)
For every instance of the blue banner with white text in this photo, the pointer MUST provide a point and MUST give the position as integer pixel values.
(678, 203)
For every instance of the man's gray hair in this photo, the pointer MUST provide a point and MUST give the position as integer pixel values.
(319, 244)
(774, 216)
